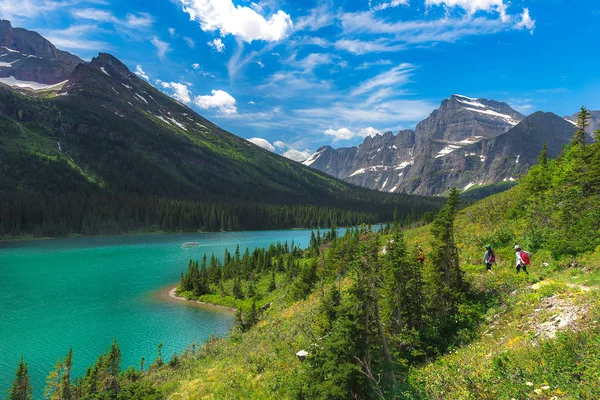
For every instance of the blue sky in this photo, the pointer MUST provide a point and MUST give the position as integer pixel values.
(293, 75)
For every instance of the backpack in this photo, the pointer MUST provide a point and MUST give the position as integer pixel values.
(525, 258)
(492, 258)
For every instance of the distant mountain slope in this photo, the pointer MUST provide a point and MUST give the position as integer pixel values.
(466, 143)
(32, 61)
(105, 131)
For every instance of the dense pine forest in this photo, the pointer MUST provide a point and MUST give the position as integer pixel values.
(376, 321)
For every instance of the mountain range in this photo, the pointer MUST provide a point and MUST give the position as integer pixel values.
(469, 143)
(98, 132)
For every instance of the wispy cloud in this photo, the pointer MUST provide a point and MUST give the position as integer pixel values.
(162, 47)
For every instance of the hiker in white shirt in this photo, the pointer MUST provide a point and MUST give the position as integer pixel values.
(522, 259)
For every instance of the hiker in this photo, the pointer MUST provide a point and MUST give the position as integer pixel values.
(420, 255)
(522, 259)
(489, 258)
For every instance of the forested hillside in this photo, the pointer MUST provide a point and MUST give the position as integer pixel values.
(376, 322)
(109, 153)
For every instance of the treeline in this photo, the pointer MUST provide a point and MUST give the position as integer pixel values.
(54, 214)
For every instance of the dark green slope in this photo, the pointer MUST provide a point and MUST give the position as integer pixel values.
(118, 150)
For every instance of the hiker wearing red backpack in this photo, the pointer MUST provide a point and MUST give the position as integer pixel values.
(523, 259)
(489, 258)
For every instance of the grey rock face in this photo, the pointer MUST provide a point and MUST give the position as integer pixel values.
(27, 56)
(594, 121)
(466, 142)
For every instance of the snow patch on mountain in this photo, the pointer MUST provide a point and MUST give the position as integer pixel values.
(31, 85)
(313, 158)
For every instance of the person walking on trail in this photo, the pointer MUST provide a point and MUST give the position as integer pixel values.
(489, 258)
(523, 259)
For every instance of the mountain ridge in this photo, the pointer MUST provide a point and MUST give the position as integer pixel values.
(425, 160)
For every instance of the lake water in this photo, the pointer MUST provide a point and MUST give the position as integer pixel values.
(82, 292)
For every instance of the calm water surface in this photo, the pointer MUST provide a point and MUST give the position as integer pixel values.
(82, 292)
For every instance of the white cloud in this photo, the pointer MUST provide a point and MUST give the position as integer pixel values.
(380, 35)
(260, 64)
(389, 4)
(369, 131)
(180, 91)
(190, 42)
(256, 7)
(526, 22)
(264, 143)
(139, 71)
(318, 18)
(280, 145)
(367, 64)
(251, 102)
(217, 44)
(244, 22)
(162, 48)
(76, 37)
(360, 47)
(219, 99)
(313, 60)
(297, 155)
(347, 134)
(172, 32)
(140, 20)
(396, 76)
(196, 66)
(132, 20)
(472, 6)
(28, 9)
(340, 134)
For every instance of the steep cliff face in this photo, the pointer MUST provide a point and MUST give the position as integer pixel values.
(32, 61)
(460, 117)
(466, 143)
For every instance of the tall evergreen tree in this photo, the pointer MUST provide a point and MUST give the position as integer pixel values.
(21, 388)
(444, 276)
(583, 119)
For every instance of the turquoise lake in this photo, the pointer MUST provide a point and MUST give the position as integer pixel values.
(82, 292)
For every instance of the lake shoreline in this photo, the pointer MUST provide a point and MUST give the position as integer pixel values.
(133, 234)
(168, 294)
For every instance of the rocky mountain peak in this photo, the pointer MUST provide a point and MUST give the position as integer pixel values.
(29, 61)
(110, 64)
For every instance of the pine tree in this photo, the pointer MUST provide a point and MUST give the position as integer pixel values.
(403, 287)
(54, 380)
(252, 317)
(113, 367)
(543, 157)
(583, 119)
(272, 285)
(159, 359)
(21, 388)
(444, 276)
(238, 321)
(66, 378)
(237, 288)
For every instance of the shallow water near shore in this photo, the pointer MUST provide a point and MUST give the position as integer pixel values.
(83, 292)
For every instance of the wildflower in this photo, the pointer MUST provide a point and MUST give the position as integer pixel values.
(546, 387)
(538, 391)
(529, 383)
